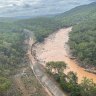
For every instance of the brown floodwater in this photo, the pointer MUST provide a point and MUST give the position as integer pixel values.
(55, 48)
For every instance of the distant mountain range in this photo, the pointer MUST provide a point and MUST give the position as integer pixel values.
(32, 8)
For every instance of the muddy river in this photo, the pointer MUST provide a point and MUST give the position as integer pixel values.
(55, 48)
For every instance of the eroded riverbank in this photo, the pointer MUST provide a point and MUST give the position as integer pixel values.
(47, 83)
(55, 48)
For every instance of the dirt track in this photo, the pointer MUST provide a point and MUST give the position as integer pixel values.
(49, 85)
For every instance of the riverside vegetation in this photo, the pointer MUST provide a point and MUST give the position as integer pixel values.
(14, 63)
(82, 43)
(69, 81)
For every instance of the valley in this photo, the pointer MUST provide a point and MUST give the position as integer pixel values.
(55, 48)
(48, 55)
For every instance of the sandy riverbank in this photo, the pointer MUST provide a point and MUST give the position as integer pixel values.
(55, 48)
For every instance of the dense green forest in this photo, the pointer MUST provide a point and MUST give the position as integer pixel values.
(83, 36)
(69, 82)
(83, 43)
(41, 26)
(11, 54)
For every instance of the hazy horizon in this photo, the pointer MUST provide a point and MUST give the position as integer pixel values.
(13, 8)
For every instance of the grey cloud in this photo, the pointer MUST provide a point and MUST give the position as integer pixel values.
(37, 7)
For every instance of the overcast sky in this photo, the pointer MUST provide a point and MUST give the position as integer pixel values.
(37, 7)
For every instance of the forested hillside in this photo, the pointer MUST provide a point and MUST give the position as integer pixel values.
(83, 38)
(41, 26)
(14, 62)
(11, 55)
(83, 42)
(77, 15)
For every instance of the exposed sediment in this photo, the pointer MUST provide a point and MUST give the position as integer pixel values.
(55, 48)
(49, 85)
